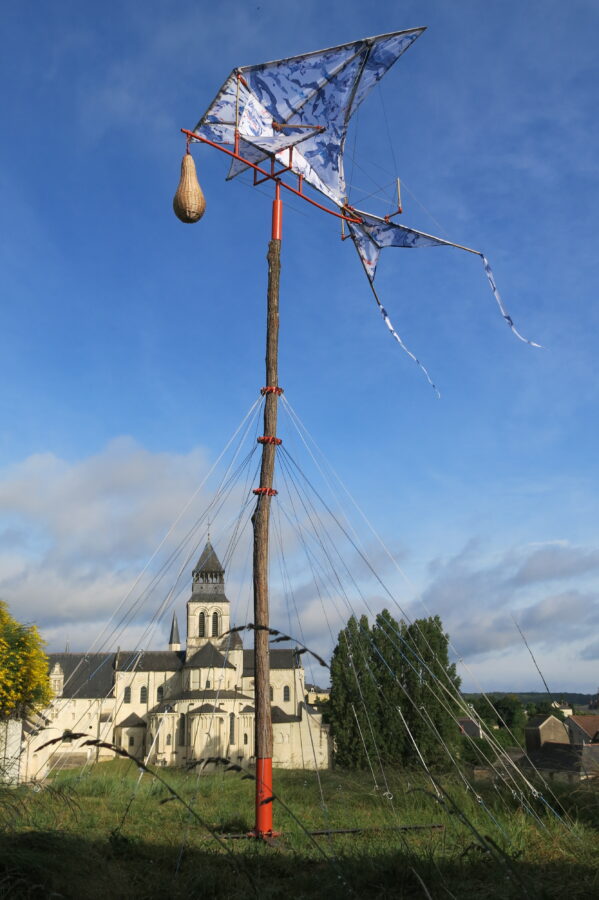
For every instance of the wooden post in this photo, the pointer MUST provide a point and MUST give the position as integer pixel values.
(260, 522)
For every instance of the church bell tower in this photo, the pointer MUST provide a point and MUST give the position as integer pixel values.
(208, 610)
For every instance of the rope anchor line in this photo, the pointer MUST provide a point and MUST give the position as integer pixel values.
(272, 389)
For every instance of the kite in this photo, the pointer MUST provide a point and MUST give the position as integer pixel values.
(294, 114)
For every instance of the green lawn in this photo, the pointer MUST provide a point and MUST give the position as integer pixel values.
(92, 834)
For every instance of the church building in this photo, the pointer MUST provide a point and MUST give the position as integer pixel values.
(179, 706)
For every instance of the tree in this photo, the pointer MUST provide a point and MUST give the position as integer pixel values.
(388, 638)
(23, 667)
(432, 683)
(511, 712)
(392, 686)
(353, 709)
(547, 708)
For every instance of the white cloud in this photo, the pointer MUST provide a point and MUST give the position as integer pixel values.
(481, 598)
(81, 533)
(78, 535)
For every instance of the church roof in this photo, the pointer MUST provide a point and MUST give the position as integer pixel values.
(174, 638)
(211, 695)
(208, 657)
(86, 675)
(132, 721)
(209, 561)
(279, 659)
(231, 642)
(149, 660)
(208, 599)
(203, 709)
(279, 717)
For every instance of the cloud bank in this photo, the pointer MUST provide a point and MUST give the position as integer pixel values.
(75, 537)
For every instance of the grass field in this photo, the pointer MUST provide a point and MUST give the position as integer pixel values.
(92, 834)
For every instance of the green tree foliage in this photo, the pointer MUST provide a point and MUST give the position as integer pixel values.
(396, 683)
(388, 642)
(353, 710)
(545, 707)
(23, 667)
(484, 709)
(510, 712)
(431, 683)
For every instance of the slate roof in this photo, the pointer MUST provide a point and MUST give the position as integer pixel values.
(150, 660)
(132, 721)
(211, 695)
(174, 636)
(207, 599)
(279, 717)
(208, 657)
(279, 659)
(469, 726)
(538, 720)
(86, 675)
(208, 561)
(203, 709)
(231, 642)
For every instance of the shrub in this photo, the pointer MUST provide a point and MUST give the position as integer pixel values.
(23, 667)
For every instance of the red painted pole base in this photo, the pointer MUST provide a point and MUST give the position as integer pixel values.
(264, 798)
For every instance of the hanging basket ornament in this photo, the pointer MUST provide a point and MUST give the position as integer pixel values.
(189, 202)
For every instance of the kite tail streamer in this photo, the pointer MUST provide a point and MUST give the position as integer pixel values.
(502, 308)
(394, 333)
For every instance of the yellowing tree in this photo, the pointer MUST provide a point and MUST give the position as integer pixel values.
(23, 667)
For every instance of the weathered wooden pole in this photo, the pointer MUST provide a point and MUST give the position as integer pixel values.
(260, 522)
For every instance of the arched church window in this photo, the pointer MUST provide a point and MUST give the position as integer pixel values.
(215, 624)
(143, 694)
(168, 740)
(271, 694)
(286, 694)
(182, 728)
(245, 739)
(202, 625)
(231, 728)
(127, 695)
(159, 693)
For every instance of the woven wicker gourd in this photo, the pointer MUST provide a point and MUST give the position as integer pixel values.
(189, 202)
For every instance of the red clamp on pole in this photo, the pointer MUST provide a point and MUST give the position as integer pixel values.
(269, 439)
(268, 492)
(271, 389)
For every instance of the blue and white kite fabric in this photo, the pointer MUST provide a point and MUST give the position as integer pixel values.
(372, 234)
(318, 92)
(297, 111)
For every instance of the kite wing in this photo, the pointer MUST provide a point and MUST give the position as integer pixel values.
(374, 233)
(315, 93)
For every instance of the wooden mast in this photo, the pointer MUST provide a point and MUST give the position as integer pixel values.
(260, 522)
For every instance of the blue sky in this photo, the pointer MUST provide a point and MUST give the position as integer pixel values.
(131, 345)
